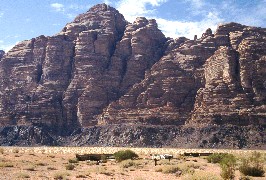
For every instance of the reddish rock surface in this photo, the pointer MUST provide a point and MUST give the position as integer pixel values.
(102, 70)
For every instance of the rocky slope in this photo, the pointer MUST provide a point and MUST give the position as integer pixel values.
(106, 81)
(1, 54)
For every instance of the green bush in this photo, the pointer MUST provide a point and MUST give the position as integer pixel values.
(123, 155)
(216, 157)
(228, 166)
(253, 166)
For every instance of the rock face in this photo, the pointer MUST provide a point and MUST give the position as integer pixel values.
(201, 81)
(235, 88)
(102, 70)
(1, 54)
(67, 79)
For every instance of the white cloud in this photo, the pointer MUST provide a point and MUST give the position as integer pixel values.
(77, 7)
(71, 10)
(172, 28)
(57, 24)
(107, 2)
(133, 9)
(58, 7)
(6, 46)
(1, 14)
(188, 29)
(197, 4)
(198, 7)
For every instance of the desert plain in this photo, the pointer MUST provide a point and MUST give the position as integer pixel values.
(60, 163)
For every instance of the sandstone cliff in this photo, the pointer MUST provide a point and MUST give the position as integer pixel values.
(66, 79)
(217, 79)
(102, 70)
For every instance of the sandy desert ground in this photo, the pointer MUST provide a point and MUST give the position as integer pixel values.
(53, 162)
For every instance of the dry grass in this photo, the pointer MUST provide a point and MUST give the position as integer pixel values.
(127, 164)
(50, 163)
(22, 175)
(6, 164)
(70, 167)
(2, 151)
(170, 169)
(202, 175)
(61, 175)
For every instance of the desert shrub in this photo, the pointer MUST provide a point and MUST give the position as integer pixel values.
(41, 164)
(70, 167)
(30, 168)
(228, 165)
(75, 160)
(6, 164)
(1, 151)
(201, 175)
(127, 164)
(158, 169)
(51, 168)
(81, 176)
(188, 168)
(103, 170)
(103, 158)
(165, 162)
(124, 155)
(22, 175)
(90, 163)
(253, 166)
(61, 175)
(15, 151)
(216, 157)
(169, 169)
(244, 178)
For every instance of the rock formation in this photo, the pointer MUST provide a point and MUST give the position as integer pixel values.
(1, 54)
(66, 79)
(102, 70)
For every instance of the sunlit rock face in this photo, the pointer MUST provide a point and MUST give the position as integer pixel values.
(68, 78)
(217, 79)
(102, 70)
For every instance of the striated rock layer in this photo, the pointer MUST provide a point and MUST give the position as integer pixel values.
(101, 71)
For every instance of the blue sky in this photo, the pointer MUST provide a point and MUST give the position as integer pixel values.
(25, 19)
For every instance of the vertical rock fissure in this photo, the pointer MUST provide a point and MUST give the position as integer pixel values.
(72, 66)
(39, 72)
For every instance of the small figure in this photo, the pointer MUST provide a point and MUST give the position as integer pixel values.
(155, 161)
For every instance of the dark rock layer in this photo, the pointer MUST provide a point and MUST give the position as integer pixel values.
(212, 136)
